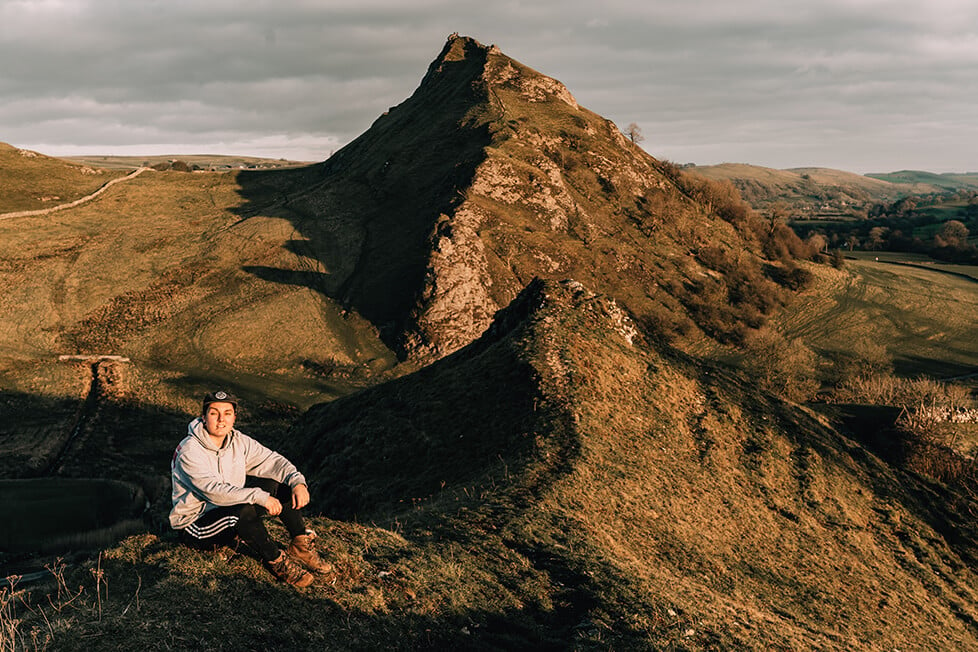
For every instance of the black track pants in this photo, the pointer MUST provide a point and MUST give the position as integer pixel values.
(219, 526)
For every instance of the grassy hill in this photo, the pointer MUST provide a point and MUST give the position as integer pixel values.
(561, 483)
(291, 286)
(156, 270)
(918, 178)
(33, 181)
(811, 193)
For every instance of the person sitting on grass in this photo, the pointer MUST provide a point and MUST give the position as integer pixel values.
(224, 482)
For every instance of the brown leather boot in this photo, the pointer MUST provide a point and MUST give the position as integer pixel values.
(289, 572)
(303, 550)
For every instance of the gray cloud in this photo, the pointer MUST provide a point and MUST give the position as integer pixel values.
(864, 85)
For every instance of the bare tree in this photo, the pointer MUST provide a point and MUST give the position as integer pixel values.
(634, 133)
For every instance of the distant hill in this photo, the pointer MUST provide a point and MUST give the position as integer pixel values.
(811, 192)
(947, 181)
(199, 161)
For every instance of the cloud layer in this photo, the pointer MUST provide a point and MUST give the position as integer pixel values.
(862, 85)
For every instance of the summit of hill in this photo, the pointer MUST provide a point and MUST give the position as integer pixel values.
(492, 174)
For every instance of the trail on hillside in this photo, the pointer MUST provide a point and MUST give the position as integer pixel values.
(77, 202)
(102, 380)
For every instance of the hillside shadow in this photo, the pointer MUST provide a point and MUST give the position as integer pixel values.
(33, 430)
(127, 445)
(911, 366)
(364, 218)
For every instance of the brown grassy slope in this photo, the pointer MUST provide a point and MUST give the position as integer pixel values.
(157, 270)
(807, 191)
(29, 181)
(488, 175)
(667, 497)
(597, 495)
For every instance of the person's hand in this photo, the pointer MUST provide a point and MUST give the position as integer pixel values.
(273, 506)
(300, 496)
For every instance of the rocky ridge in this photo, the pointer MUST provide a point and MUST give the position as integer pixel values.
(488, 176)
(666, 498)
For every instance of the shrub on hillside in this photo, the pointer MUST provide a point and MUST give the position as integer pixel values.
(729, 303)
(659, 322)
(719, 197)
(780, 242)
(791, 276)
(785, 367)
(865, 359)
(714, 315)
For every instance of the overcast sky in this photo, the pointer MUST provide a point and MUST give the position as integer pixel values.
(859, 85)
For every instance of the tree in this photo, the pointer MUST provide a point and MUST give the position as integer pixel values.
(817, 243)
(952, 234)
(785, 367)
(634, 133)
(877, 237)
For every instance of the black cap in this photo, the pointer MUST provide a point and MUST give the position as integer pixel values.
(220, 396)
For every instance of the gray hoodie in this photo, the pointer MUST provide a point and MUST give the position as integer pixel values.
(205, 477)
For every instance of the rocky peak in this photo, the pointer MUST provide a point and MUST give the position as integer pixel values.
(489, 175)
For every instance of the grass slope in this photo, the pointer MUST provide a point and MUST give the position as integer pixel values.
(32, 181)
(947, 181)
(159, 270)
(554, 486)
(924, 317)
(809, 192)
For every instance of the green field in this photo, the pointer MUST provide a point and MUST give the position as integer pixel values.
(917, 260)
(922, 311)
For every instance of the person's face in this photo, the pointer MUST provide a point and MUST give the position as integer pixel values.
(219, 419)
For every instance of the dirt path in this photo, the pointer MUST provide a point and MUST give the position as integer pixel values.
(77, 202)
(103, 382)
